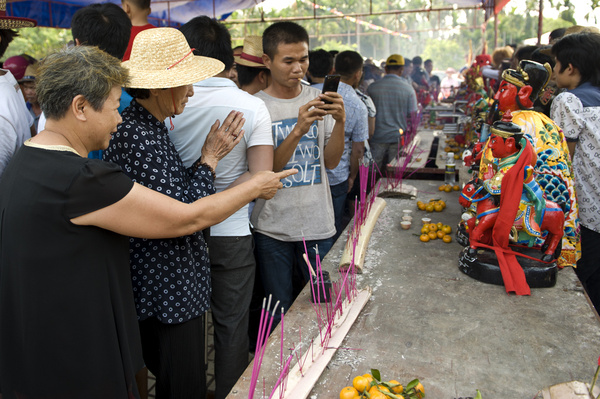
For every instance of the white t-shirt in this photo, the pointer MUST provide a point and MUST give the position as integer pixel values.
(576, 112)
(303, 208)
(215, 98)
(15, 118)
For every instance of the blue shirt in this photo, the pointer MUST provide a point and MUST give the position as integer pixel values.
(394, 100)
(171, 277)
(356, 130)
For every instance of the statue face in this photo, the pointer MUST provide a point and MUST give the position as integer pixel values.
(507, 96)
(502, 148)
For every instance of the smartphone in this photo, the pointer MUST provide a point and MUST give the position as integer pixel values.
(331, 83)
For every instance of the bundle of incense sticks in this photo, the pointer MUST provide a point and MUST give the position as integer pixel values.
(344, 290)
(263, 334)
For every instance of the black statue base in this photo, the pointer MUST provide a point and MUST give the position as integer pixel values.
(484, 267)
(462, 237)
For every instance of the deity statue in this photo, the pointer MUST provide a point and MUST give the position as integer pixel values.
(553, 171)
(511, 207)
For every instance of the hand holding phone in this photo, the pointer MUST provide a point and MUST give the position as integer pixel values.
(331, 83)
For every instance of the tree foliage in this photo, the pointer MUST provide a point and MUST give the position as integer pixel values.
(442, 36)
(38, 42)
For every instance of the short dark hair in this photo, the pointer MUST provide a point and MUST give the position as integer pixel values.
(580, 50)
(417, 60)
(104, 25)
(542, 58)
(209, 38)
(139, 94)
(141, 4)
(6, 36)
(428, 61)
(524, 52)
(320, 63)
(407, 62)
(348, 63)
(247, 74)
(557, 34)
(393, 68)
(282, 32)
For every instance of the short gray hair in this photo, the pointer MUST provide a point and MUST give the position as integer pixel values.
(80, 70)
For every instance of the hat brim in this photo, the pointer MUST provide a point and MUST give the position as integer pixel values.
(240, 61)
(198, 69)
(16, 23)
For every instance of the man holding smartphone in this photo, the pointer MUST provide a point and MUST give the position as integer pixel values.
(308, 136)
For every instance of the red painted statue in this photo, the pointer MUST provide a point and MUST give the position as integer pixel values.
(508, 203)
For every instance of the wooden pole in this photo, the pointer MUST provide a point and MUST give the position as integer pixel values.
(540, 23)
(495, 31)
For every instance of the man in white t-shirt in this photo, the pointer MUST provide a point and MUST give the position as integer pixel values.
(308, 136)
(231, 246)
(15, 119)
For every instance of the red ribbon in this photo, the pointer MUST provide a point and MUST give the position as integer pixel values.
(183, 58)
(251, 58)
(510, 197)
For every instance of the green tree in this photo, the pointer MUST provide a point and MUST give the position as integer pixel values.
(38, 42)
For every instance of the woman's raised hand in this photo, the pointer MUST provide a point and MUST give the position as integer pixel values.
(222, 138)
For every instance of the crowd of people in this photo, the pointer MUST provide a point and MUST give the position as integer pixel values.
(164, 173)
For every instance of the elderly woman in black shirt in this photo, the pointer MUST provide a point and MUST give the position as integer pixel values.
(67, 321)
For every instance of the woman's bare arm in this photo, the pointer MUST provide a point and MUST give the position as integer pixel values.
(145, 213)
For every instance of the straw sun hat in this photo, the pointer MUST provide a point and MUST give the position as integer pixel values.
(251, 53)
(13, 22)
(161, 58)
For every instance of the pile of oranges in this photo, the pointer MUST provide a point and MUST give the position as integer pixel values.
(436, 205)
(449, 187)
(370, 386)
(433, 231)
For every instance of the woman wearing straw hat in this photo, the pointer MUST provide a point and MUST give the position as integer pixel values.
(171, 278)
(67, 317)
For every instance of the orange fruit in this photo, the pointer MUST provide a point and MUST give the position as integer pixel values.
(446, 229)
(432, 227)
(439, 225)
(438, 208)
(360, 383)
(383, 388)
(424, 237)
(447, 238)
(456, 156)
(456, 187)
(429, 207)
(432, 235)
(442, 187)
(378, 395)
(396, 386)
(369, 378)
(424, 229)
(440, 234)
(421, 206)
(377, 390)
(349, 393)
(420, 390)
(448, 189)
(442, 203)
